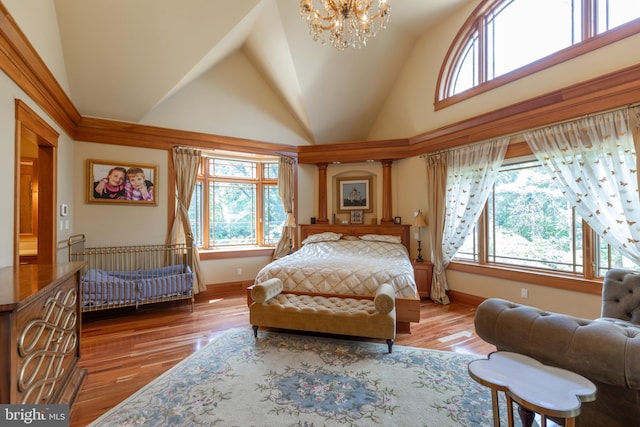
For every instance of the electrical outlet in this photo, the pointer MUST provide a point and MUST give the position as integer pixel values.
(239, 271)
(524, 293)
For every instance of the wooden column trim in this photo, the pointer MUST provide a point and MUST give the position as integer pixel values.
(387, 217)
(322, 194)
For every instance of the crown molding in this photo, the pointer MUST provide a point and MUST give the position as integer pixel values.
(132, 134)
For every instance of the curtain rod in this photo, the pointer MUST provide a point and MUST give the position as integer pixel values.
(295, 159)
(471, 144)
(214, 151)
(234, 155)
(202, 150)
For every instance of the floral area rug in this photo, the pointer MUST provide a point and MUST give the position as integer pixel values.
(282, 379)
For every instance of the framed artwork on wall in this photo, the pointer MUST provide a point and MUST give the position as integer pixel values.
(357, 217)
(353, 193)
(115, 182)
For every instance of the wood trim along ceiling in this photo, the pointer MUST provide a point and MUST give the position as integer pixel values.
(22, 64)
(614, 90)
(20, 61)
(135, 135)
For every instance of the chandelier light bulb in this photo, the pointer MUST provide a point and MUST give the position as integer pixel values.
(345, 23)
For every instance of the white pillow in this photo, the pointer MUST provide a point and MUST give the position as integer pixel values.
(381, 238)
(327, 236)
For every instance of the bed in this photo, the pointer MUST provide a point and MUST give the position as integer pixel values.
(124, 276)
(351, 261)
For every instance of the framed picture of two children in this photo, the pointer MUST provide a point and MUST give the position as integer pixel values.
(121, 182)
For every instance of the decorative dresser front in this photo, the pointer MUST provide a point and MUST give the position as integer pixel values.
(40, 325)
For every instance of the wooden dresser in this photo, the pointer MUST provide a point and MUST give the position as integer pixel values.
(40, 325)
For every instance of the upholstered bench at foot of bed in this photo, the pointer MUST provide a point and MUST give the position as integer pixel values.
(343, 316)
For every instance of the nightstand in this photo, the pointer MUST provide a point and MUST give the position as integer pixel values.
(423, 272)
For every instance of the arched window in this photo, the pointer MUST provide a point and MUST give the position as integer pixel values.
(504, 40)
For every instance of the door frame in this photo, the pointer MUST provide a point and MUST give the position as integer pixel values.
(47, 140)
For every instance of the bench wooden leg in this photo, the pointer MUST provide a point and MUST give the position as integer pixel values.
(255, 331)
(390, 344)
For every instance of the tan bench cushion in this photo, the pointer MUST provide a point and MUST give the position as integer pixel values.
(344, 316)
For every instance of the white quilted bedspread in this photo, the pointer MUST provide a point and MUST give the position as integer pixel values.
(350, 267)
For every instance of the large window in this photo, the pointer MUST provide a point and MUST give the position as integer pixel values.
(608, 258)
(235, 202)
(507, 35)
(529, 224)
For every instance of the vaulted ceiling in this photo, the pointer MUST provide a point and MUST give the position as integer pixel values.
(126, 60)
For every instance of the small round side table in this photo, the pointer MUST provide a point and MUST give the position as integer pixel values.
(547, 390)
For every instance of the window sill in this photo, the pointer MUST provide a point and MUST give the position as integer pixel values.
(537, 277)
(235, 252)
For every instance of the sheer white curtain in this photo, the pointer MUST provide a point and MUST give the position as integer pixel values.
(594, 161)
(185, 164)
(468, 174)
(286, 186)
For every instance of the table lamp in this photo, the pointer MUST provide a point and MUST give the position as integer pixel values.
(420, 222)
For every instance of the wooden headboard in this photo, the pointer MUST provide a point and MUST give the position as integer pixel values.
(401, 230)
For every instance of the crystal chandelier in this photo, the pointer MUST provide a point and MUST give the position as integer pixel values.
(348, 23)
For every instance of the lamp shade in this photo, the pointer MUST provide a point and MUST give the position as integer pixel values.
(418, 220)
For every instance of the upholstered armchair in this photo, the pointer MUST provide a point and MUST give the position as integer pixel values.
(605, 350)
(621, 297)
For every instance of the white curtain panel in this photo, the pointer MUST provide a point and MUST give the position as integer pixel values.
(593, 160)
(458, 184)
(470, 176)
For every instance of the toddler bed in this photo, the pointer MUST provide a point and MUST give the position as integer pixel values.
(123, 276)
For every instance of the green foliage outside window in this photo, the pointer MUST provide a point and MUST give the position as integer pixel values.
(531, 224)
(241, 205)
(234, 212)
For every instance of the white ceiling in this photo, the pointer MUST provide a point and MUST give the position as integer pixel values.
(126, 58)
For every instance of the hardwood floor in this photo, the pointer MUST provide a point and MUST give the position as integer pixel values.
(125, 349)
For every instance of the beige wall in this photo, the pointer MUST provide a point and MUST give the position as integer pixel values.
(37, 20)
(8, 91)
(307, 199)
(236, 87)
(552, 299)
(118, 224)
(226, 270)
